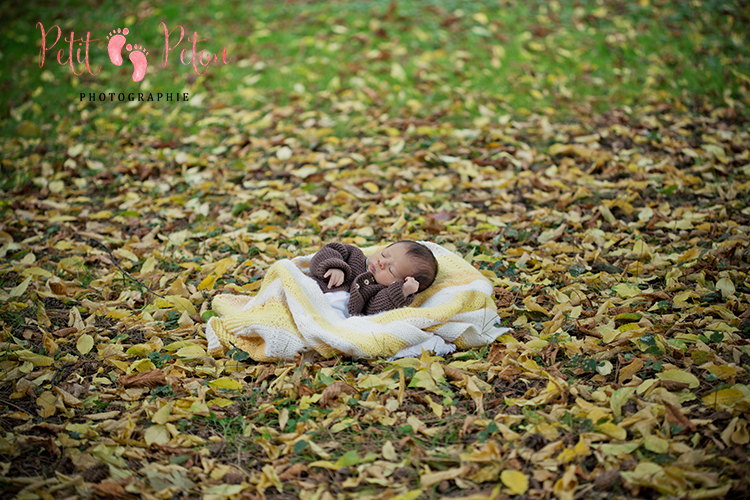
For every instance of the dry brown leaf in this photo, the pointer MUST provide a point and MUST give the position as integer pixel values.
(151, 378)
(332, 392)
(504, 298)
(675, 416)
(293, 471)
(432, 225)
(497, 353)
(671, 385)
(468, 422)
(453, 373)
(63, 332)
(509, 373)
(304, 390)
(111, 489)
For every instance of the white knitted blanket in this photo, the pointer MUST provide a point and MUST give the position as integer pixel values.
(290, 315)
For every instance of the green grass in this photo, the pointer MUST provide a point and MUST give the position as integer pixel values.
(457, 59)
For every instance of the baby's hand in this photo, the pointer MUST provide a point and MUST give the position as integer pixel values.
(410, 286)
(337, 277)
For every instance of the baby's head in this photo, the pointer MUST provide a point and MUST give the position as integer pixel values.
(402, 259)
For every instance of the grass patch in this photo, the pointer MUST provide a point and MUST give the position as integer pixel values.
(420, 59)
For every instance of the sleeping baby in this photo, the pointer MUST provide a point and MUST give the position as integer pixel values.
(388, 279)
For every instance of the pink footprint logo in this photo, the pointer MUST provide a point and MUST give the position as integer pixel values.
(137, 55)
(138, 58)
(115, 45)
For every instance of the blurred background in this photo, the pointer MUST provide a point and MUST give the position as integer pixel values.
(462, 62)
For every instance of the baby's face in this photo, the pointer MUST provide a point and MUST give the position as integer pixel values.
(390, 264)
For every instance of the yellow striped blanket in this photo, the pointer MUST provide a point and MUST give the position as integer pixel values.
(290, 315)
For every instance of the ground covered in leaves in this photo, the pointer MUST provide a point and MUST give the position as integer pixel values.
(616, 240)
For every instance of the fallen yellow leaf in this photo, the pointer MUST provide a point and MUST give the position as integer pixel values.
(85, 343)
(429, 479)
(516, 481)
(34, 358)
(161, 416)
(723, 397)
(223, 382)
(389, 452)
(157, 434)
(681, 376)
